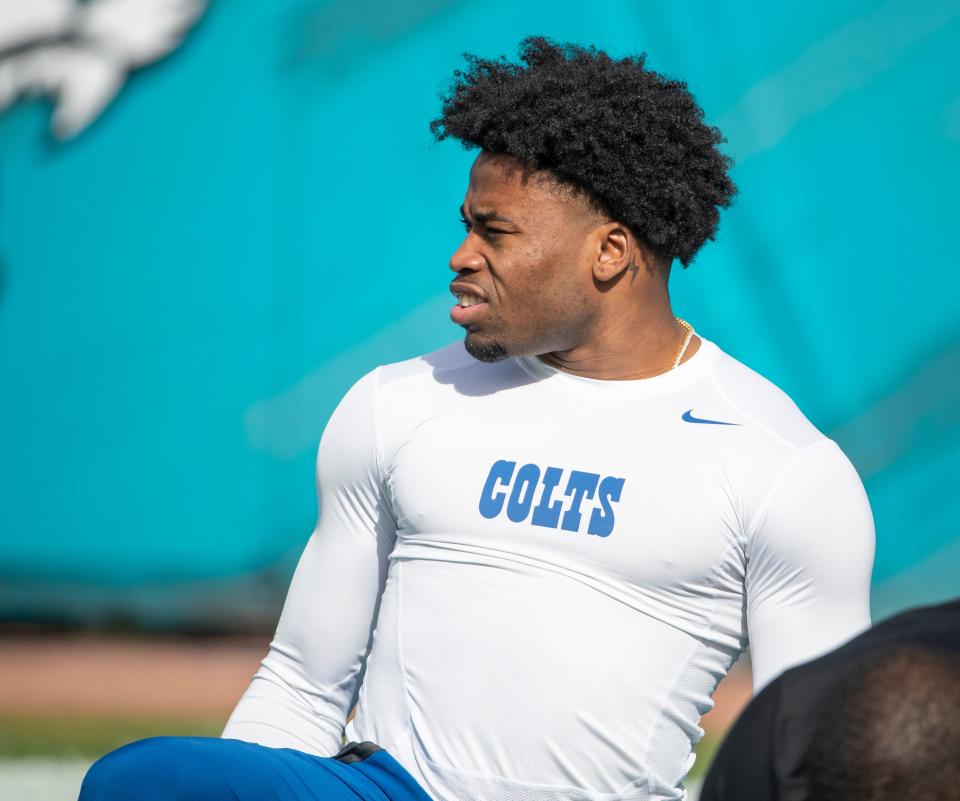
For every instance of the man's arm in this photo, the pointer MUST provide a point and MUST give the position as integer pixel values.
(809, 560)
(301, 694)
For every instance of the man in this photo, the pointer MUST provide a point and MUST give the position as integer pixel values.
(537, 555)
(876, 720)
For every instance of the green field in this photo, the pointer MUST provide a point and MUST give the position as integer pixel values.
(89, 737)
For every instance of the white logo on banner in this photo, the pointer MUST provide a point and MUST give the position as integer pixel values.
(80, 53)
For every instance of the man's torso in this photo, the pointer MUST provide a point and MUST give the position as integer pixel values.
(568, 575)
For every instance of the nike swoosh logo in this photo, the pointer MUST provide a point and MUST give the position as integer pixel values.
(689, 418)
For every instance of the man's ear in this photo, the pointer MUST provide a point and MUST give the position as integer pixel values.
(616, 251)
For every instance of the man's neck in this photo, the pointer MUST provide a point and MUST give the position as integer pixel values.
(625, 352)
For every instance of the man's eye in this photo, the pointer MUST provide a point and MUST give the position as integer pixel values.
(487, 231)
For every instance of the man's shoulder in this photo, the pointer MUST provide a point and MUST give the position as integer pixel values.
(449, 366)
(427, 365)
(407, 377)
(762, 403)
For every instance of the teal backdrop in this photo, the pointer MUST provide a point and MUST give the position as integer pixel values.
(190, 285)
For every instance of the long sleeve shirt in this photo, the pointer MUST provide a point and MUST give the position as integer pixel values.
(531, 582)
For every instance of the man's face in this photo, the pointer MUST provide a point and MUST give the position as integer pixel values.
(529, 264)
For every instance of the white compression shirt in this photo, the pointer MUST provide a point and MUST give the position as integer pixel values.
(559, 570)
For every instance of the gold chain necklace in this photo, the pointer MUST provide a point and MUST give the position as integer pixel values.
(686, 342)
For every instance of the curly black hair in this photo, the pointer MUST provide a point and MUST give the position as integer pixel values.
(631, 140)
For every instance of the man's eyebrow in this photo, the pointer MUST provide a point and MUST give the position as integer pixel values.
(486, 216)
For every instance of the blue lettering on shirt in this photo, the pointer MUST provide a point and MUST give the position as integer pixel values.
(492, 502)
(548, 514)
(583, 494)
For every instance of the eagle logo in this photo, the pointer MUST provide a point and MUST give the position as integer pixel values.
(80, 53)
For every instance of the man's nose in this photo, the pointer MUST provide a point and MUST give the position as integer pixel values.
(465, 258)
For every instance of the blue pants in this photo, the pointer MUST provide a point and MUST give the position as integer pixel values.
(214, 769)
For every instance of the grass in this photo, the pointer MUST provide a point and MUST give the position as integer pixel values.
(706, 749)
(90, 736)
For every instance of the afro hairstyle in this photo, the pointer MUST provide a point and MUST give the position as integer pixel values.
(630, 140)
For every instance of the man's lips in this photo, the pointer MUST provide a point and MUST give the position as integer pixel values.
(464, 315)
(463, 288)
